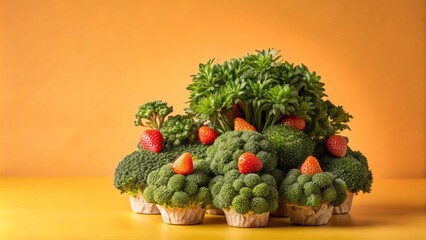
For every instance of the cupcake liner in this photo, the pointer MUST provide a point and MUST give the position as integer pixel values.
(248, 220)
(303, 215)
(281, 210)
(214, 211)
(346, 206)
(182, 216)
(139, 205)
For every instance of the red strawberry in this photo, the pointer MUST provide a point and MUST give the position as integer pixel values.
(152, 140)
(183, 164)
(206, 135)
(242, 125)
(310, 166)
(295, 121)
(249, 163)
(236, 111)
(337, 145)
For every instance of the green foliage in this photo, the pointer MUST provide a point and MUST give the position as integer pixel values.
(224, 153)
(312, 191)
(178, 130)
(174, 190)
(353, 171)
(327, 120)
(264, 87)
(293, 146)
(154, 112)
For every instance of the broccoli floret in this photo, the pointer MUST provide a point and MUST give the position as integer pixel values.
(321, 180)
(162, 195)
(179, 129)
(155, 112)
(310, 188)
(359, 156)
(261, 190)
(224, 153)
(204, 197)
(304, 178)
(231, 175)
(191, 188)
(199, 178)
(329, 194)
(293, 146)
(152, 177)
(226, 194)
(291, 193)
(356, 175)
(241, 204)
(238, 184)
(313, 200)
(252, 179)
(290, 179)
(176, 182)
(269, 179)
(180, 199)
(341, 189)
(148, 194)
(259, 205)
(132, 172)
(200, 165)
(246, 192)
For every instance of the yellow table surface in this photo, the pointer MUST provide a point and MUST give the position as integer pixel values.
(91, 208)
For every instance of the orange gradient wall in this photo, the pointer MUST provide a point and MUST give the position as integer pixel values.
(73, 72)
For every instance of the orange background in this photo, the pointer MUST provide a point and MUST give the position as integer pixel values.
(74, 72)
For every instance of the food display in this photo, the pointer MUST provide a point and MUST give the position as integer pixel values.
(259, 139)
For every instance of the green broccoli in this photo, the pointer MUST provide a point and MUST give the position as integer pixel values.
(224, 153)
(352, 170)
(245, 193)
(293, 146)
(131, 174)
(155, 112)
(310, 191)
(169, 189)
(178, 130)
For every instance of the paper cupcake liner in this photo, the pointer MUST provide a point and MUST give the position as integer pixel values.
(281, 210)
(346, 206)
(214, 211)
(139, 205)
(182, 216)
(248, 220)
(302, 215)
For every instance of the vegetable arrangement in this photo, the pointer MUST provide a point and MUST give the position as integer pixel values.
(254, 141)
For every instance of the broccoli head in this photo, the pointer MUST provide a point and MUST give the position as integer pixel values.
(224, 153)
(154, 112)
(292, 146)
(132, 173)
(175, 190)
(353, 169)
(245, 193)
(179, 129)
(311, 191)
